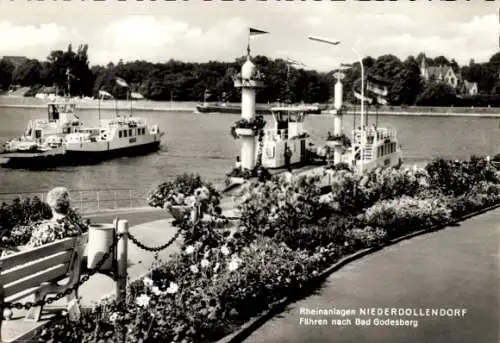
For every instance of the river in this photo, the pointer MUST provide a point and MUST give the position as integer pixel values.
(201, 143)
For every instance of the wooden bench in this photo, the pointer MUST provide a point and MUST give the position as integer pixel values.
(39, 270)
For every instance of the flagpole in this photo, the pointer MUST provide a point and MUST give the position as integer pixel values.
(99, 107)
(248, 44)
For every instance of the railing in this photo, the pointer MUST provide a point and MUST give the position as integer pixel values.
(88, 200)
(276, 135)
(368, 135)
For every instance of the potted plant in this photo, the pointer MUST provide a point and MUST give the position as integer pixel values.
(245, 127)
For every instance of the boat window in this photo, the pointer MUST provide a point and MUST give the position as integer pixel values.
(119, 134)
(143, 131)
(130, 132)
(124, 133)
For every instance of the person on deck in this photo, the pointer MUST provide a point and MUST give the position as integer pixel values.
(288, 156)
(238, 163)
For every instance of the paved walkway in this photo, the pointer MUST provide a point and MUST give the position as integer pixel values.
(454, 268)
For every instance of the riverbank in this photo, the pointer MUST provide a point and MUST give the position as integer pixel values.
(167, 107)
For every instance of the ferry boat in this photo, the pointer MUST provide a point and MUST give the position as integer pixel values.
(43, 134)
(259, 109)
(64, 140)
(371, 148)
(42, 144)
(123, 136)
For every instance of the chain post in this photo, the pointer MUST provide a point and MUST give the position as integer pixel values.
(121, 258)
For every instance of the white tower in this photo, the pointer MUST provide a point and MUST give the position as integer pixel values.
(337, 119)
(248, 82)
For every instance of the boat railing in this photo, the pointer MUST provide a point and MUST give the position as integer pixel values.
(90, 200)
(369, 136)
(276, 135)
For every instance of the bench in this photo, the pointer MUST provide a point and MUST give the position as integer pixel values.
(39, 270)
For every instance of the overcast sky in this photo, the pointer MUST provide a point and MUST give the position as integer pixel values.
(200, 31)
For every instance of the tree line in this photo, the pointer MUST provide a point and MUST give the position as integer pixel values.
(185, 81)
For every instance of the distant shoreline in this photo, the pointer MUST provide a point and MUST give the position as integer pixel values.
(411, 111)
(108, 108)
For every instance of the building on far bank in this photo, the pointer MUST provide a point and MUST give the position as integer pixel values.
(445, 74)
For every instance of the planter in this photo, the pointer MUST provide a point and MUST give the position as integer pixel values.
(101, 237)
(245, 132)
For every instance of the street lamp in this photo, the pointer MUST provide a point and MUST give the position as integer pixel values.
(336, 42)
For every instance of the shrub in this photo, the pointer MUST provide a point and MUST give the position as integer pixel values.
(406, 214)
(455, 178)
(269, 207)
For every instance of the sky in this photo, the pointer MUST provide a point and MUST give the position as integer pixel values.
(200, 31)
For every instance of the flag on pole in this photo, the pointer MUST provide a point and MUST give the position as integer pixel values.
(103, 94)
(381, 100)
(376, 85)
(121, 82)
(377, 89)
(361, 98)
(135, 95)
(254, 32)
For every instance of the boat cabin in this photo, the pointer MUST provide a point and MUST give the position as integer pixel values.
(374, 147)
(61, 120)
(287, 141)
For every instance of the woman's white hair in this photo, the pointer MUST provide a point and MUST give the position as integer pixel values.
(58, 200)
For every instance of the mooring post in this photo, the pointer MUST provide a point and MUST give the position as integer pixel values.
(121, 258)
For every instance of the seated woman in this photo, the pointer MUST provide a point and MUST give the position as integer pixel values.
(59, 226)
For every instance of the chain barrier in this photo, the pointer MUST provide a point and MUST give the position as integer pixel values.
(28, 305)
(154, 249)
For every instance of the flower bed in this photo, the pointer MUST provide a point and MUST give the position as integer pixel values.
(288, 234)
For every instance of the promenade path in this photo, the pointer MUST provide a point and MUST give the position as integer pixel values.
(457, 267)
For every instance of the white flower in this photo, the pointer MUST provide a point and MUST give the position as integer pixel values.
(147, 282)
(172, 288)
(189, 249)
(234, 264)
(216, 268)
(156, 290)
(190, 201)
(179, 198)
(113, 317)
(225, 251)
(207, 253)
(194, 269)
(142, 300)
(204, 263)
(64, 313)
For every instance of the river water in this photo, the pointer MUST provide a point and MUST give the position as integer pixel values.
(201, 143)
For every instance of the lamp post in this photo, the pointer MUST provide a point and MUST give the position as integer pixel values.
(336, 42)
